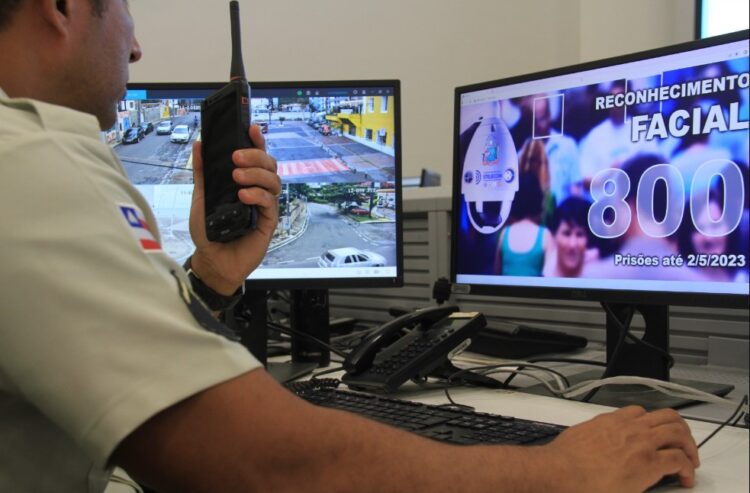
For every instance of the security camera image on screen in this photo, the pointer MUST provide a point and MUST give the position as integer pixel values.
(336, 152)
(631, 176)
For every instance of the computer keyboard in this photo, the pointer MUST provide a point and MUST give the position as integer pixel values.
(446, 424)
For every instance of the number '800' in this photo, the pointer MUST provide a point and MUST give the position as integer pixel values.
(610, 187)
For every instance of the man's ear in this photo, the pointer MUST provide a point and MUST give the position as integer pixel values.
(55, 14)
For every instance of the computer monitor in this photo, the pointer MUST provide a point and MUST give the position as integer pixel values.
(337, 145)
(716, 17)
(622, 181)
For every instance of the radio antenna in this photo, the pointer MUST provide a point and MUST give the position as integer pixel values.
(237, 71)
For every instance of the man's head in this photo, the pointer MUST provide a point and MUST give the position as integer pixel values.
(74, 53)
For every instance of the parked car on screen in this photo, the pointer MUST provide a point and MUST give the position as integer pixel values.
(181, 134)
(133, 135)
(358, 211)
(350, 257)
(164, 127)
(263, 127)
(147, 127)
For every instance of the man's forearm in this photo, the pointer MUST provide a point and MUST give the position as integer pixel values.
(238, 437)
(354, 454)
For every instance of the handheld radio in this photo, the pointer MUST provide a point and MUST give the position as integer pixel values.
(225, 120)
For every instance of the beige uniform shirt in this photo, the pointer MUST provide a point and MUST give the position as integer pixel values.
(95, 336)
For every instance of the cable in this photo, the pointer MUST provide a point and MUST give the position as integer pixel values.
(555, 360)
(739, 417)
(633, 337)
(638, 340)
(519, 366)
(669, 388)
(350, 341)
(735, 413)
(566, 391)
(553, 391)
(561, 380)
(513, 368)
(326, 372)
(297, 333)
(568, 360)
(556, 392)
(623, 327)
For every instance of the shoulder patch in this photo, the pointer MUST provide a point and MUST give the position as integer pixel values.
(136, 221)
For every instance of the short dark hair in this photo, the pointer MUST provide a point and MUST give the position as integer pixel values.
(9, 7)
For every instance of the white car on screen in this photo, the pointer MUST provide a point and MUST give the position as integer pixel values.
(164, 127)
(181, 133)
(350, 257)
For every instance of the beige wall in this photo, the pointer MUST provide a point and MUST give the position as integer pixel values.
(431, 45)
(640, 25)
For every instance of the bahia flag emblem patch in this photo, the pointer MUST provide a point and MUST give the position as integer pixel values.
(134, 217)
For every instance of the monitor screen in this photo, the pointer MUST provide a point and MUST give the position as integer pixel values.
(337, 145)
(623, 180)
(716, 17)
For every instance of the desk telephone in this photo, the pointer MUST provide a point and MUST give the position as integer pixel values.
(410, 346)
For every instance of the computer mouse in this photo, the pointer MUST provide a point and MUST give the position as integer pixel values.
(668, 480)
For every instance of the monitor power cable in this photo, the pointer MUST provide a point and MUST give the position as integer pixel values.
(738, 412)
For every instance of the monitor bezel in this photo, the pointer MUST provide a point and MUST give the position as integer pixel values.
(322, 282)
(580, 294)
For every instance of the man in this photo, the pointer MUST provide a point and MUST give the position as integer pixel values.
(103, 358)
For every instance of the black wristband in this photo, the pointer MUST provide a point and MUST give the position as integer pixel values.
(214, 301)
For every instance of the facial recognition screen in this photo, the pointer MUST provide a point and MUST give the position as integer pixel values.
(629, 174)
(337, 149)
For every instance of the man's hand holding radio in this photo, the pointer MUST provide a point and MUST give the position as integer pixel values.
(224, 266)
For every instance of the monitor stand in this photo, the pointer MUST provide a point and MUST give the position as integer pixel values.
(308, 315)
(638, 359)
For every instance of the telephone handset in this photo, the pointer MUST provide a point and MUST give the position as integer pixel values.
(410, 346)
